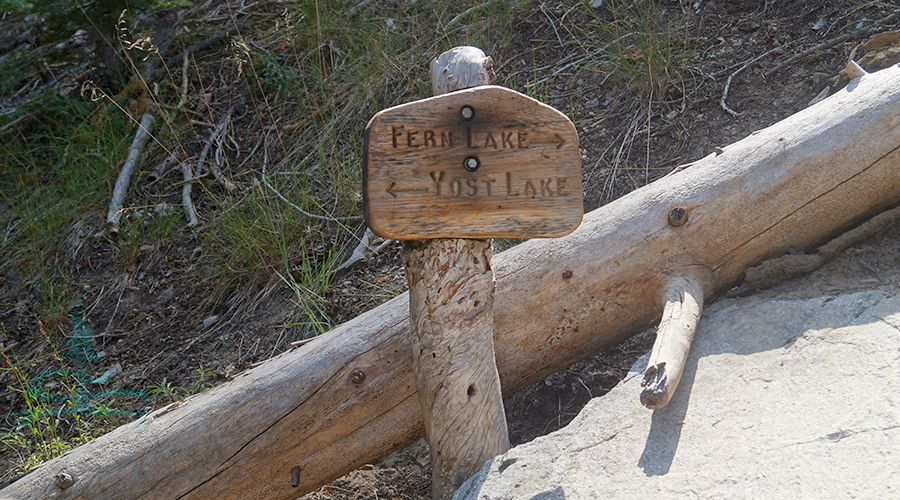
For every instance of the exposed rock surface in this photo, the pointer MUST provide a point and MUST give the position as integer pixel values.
(791, 393)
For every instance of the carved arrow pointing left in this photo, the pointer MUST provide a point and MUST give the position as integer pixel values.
(393, 189)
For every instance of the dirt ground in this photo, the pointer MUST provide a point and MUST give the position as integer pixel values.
(628, 136)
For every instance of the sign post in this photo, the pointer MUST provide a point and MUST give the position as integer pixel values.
(444, 175)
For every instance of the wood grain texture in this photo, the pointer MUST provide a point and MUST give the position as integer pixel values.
(793, 185)
(451, 312)
(460, 68)
(527, 183)
(681, 314)
(451, 290)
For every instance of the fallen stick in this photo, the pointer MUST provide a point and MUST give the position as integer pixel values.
(214, 165)
(189, 210)
(124, 179)
(232, 29)
(826, 44)
(348, 397)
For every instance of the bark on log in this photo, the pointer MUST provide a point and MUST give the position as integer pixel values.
(451, 298)
(793, 185)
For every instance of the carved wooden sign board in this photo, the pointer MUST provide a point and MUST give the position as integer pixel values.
(485, 162)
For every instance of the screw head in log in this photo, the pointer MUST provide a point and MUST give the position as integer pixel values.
(678, 216)
(467, 113)
(358, 377)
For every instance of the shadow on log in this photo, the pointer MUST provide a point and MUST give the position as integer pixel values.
(348, 397)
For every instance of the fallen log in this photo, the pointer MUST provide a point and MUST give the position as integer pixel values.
(348, 397)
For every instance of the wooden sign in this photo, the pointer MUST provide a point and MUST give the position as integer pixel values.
(486, 162)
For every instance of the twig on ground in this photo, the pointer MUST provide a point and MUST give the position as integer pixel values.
(304, 212)
(160, 170)
(121, 187)
(827, 44)
(184, 82)
(360, 5)
(725, 95)
(459, 17)
(186, 194)
(6, 128)
(218, 134)
(552, 24)
(292, 205)
(577, 62)
(209, 42)
(730, 77)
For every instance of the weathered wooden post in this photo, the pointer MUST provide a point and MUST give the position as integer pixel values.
(445, 175)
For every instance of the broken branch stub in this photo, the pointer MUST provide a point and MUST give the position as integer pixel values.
(681, 314)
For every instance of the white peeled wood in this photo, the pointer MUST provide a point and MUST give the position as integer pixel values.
(460, 68)
(134, 153)
(451, 298)
(793, 185)
(681, 314)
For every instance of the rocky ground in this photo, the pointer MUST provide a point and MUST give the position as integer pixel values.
(742, 66)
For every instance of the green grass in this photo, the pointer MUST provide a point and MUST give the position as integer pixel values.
(642, 44)
(311, 87)
(57, 174)
(59, 407)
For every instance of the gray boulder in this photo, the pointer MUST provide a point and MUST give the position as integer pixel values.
(783, 396)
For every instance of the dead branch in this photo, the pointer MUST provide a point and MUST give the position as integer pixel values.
(731, 77)
(121, 187)
(266, 183)
(186, 194)
(231, 30)
(217, 136)
(160, 170)
(827, 44)
(465, 13)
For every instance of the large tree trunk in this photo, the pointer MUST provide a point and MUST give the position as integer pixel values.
(348, 397)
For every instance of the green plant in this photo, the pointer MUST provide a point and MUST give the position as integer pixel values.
(165, 391)
(17, 6)
(642, 44)
(308, 280)
(204, 378)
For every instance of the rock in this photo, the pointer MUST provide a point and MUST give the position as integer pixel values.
(592, 103)
(782, 397)
(108, 374)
